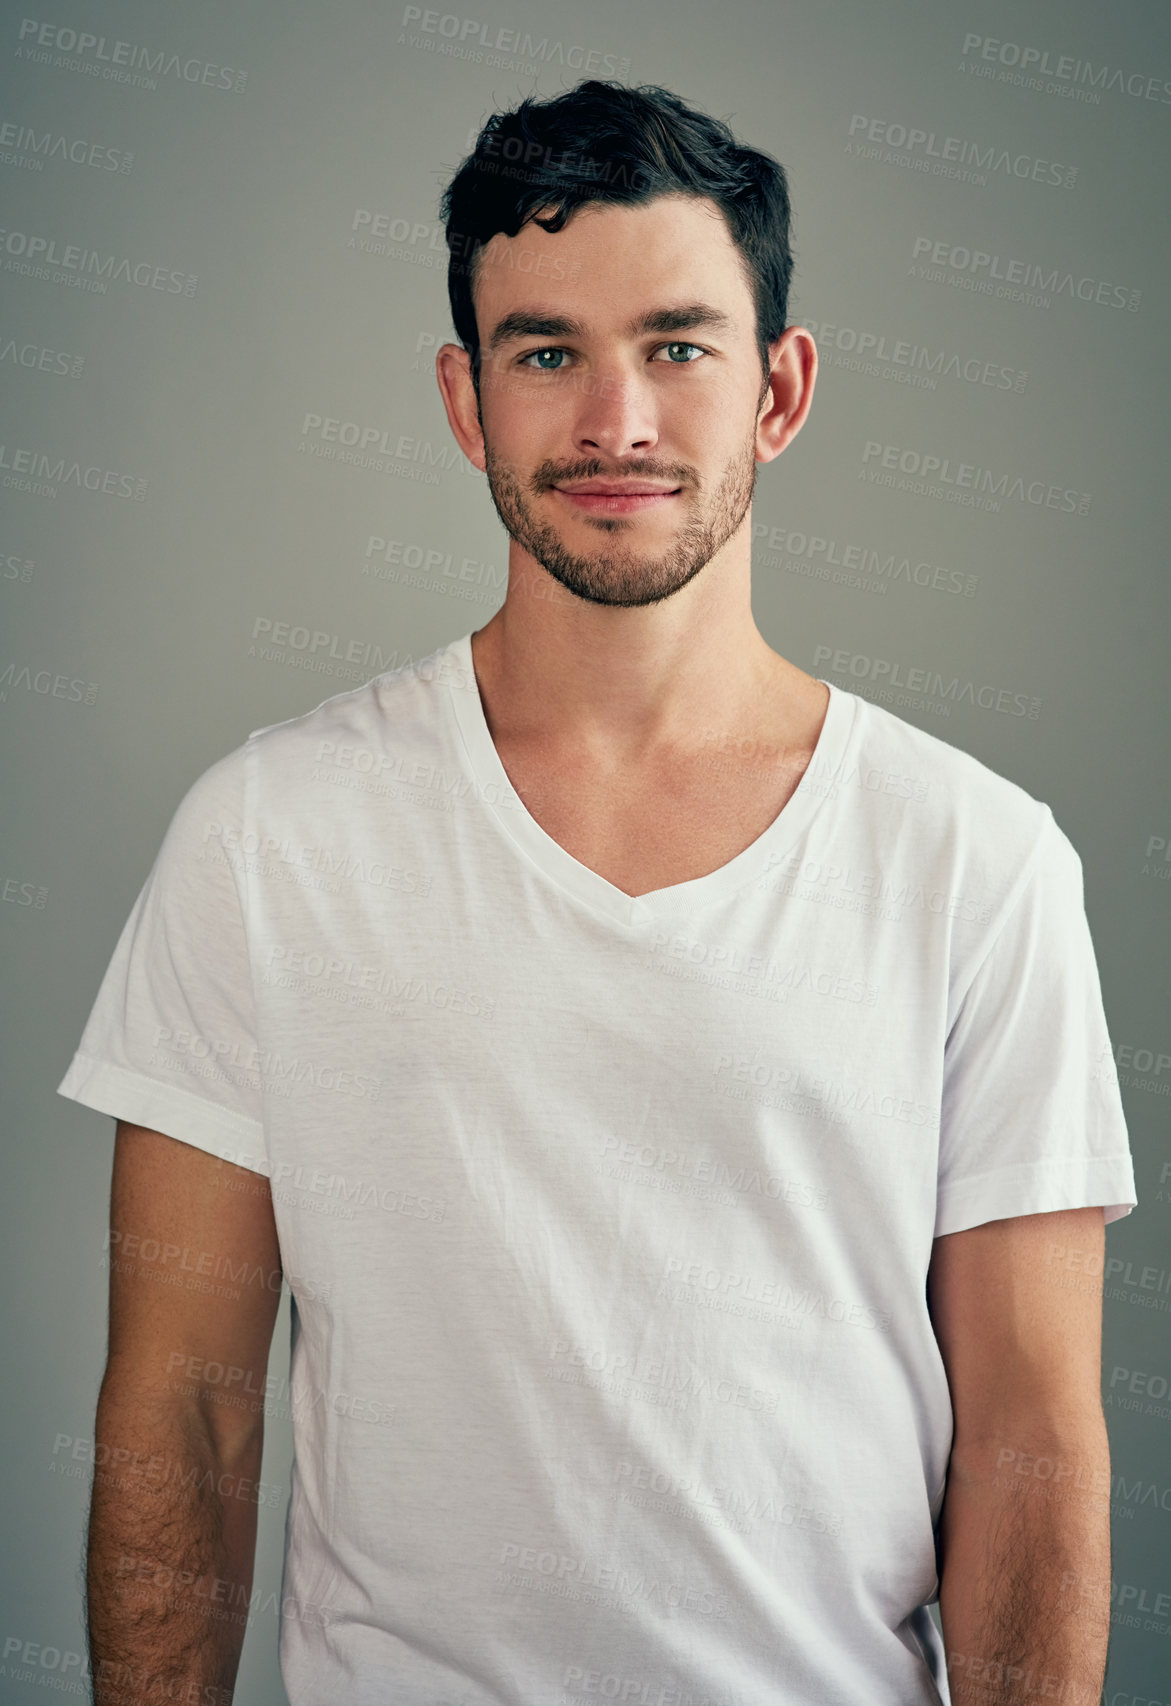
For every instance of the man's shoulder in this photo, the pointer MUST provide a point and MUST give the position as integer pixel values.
(393, 697)
(957, 807)
(357, 726)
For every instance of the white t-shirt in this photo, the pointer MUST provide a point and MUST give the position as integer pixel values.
(607, 1219)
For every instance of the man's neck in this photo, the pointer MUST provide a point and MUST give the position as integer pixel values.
(620, 688)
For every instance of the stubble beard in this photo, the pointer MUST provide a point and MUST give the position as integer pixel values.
(617, 574)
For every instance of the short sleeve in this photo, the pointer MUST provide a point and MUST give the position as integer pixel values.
(1032, 1116)
(170, 1042)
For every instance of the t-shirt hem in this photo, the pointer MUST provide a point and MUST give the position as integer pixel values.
(1040, 1187)
(131, 1096)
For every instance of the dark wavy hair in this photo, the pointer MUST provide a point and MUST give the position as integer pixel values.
(606, 142)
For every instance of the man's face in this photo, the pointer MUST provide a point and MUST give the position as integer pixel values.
(621, 387)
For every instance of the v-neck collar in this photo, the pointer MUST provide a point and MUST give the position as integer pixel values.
(500, 798)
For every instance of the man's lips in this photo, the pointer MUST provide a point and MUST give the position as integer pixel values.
(617, 497)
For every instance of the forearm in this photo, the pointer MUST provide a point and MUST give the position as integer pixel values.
(172, 1542)
(1025, 1569)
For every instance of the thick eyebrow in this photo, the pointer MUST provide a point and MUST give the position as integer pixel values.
(526, 323)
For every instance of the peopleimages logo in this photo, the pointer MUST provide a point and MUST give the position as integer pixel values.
(1033, 63)
(950, 155)
(37, 471)
(378, 447)
(90, 268)
(926, 362)
(32, 148)
(47, 684)
(1000, 275)
(967, 480)
(464, 37)
(36, 356)
(99, 56)
(931, 683)
(821, 558)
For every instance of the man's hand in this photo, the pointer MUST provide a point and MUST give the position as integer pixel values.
(1025, 1527)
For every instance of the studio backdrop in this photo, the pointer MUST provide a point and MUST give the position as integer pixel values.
(229, 492)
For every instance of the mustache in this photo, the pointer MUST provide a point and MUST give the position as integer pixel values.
(548, 474)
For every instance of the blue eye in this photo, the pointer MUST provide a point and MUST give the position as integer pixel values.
(673, 347)
(552, 360)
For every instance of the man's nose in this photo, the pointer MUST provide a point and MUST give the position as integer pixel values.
(615, 415)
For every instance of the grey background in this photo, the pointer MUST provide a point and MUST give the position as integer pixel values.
(152, 605)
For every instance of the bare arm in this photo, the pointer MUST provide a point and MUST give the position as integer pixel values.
(1025, 1527)
(194, 1290)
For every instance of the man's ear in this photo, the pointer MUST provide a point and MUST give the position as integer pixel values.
(453, 370)
(789, 391)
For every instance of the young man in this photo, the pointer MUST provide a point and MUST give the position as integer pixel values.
(677, 1090)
